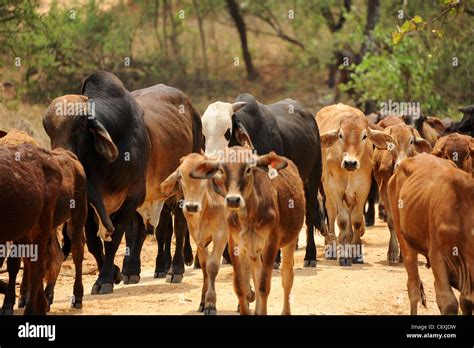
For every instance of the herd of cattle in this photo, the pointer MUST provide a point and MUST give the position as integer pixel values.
(244, 177)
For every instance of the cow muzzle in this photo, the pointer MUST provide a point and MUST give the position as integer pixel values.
(192, 208)
(350, 164)
(234, 202)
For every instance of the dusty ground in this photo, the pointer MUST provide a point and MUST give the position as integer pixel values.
(371, 288)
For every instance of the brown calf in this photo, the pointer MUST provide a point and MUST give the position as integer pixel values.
(265, 209)
(204, 212)
(407, 143)
(30, 181)
(458, 148)
(432, 203)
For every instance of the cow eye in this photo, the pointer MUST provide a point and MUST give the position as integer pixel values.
(364, 137)
(340, 135)
(411, 142)
(227, 134)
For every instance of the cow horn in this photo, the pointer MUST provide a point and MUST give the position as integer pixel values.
(237, 106)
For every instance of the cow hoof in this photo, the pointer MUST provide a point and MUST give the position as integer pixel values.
(393, 260)
(125, 278)
(159, 274)
(345, 261)
(309, 263)
(131, 279)
(201, 308)
(106, 288)
(95, 289)
(330, 257)
(6, 311)
(174, 278)
(22, 302)
(117, 275)
(76, 305)
(276, 265)
(358, 260)
(210, 311)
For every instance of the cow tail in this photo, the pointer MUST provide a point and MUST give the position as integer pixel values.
(53, 257)
(197, 130)
(66, 249)
(423, 295)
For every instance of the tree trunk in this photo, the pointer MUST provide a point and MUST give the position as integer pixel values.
(373, 16)
(203, 45)
(240, 25)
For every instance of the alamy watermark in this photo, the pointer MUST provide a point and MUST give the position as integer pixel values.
(29, 251)
(400, 108)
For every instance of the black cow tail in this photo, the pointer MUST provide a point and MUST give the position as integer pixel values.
(197, 130)
(66, 248)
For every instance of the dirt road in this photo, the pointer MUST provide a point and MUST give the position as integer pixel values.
(371, 288)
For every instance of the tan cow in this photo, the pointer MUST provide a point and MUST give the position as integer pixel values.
(407, 143)
(458, 148)
(432, 203)
(265, 210)
(204, 212)
(347, 143)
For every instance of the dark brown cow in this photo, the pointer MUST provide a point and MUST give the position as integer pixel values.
(30, 182)
(458, 148)
(265, 210)
(71, 207)
(432, 203)
(407, 143)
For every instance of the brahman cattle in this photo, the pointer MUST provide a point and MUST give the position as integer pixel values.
(71, 208)
(30, 182)
(204, 212)
(265, 209)
(407, 143)
(466, 125)
(347, 143)
(128, 144)
(285, 128)
(432, 203)
(458, 148)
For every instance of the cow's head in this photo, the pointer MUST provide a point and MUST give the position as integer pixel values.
(407, 143)
(218, 126)
(351, 137)
(71, 124)
(457, 148)
(233, 177)
(193, 190)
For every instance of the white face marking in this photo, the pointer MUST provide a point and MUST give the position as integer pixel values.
(217, 119)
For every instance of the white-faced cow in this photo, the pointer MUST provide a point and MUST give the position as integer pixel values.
(285, 128)
(347, 143)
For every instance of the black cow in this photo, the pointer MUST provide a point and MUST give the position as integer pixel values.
(466, 125)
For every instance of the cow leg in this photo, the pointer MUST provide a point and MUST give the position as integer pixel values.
(372, 197)
(330, 240)
(414, 284)
(77, 257)
(357, 222)
(176, 271)
(241, 277)
(447, 302)
(312, 207)
(24, 288)
(52, 276)
(393, 254)
(345, 234)
(219, 241)
(466, 305)
(188, 251)
(287, 276)
(37, 302)
(163, 234)
(131, 263)
(264, 275)
(202, 255)
(225, 256)
(13, 266)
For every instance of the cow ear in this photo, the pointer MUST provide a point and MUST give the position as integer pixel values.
(237, 106)
(171, 186)
(103, 143)
(329, 138)
(2, 133)
(438, 149)
(271, 160)
(241, 134)
(205, 170)
(380, 139)
(422, 145)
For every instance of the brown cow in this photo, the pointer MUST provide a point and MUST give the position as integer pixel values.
(265, 209)
(71, 207)
(204, 212)
(407, 143)
(347, 143)
(30, 182)
(458, 148)
(432, 203)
